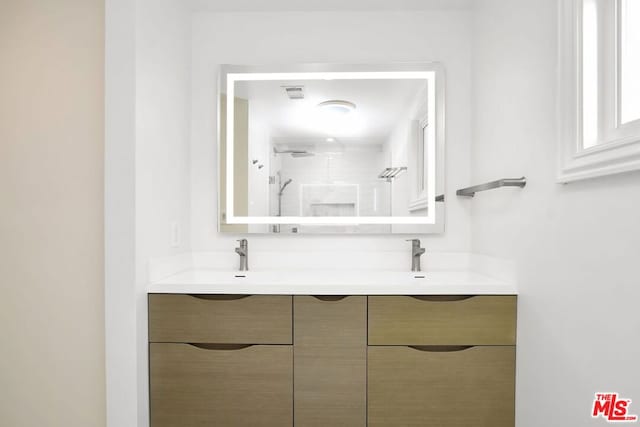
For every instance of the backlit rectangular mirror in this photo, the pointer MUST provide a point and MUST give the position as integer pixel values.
(327, 148)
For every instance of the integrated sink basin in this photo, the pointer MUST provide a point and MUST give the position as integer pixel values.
(331, 282)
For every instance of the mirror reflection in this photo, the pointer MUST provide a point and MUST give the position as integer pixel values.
(331, 155)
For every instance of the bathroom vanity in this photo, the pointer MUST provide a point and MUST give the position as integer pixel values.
(239, 355)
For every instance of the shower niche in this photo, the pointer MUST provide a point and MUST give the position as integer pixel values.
(326, 148)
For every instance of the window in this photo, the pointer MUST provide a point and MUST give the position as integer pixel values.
(420, 188)
(629, 18)
(599, 88)
(421, 158)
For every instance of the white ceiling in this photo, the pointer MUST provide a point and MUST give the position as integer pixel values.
(325, 5)
(380, 105)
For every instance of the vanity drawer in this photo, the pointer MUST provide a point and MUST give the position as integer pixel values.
(441, 386)
(442, 320)
(220, 385)
(232, 319)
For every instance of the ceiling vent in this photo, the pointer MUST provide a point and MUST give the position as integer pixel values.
(294, 92)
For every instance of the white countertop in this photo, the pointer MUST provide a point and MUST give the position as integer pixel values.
(332, 282)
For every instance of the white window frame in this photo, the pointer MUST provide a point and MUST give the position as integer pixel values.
(618, 147)
(419, 188)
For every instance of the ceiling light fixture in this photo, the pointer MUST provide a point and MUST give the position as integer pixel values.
(336, 106)
(337, 118)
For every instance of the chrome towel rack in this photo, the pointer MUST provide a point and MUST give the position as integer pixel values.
(504, 182)
(389, 174)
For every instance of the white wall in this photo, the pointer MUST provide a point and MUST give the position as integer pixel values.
(163, 107)
(147, 181)
(260, 151)
(576, 247)
(51, 213)
(119, 214)
(163, 60)
(346, 37)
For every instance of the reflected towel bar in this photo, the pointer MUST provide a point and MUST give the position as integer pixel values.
(504, 182)
(389, 174)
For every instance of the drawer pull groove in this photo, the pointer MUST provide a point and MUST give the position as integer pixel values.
(442, 298)
(330, 297)
(225, 297)
(441, 348)
(220, 346)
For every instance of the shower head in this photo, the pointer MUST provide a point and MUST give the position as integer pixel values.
(287, 182)
(294, 153)
(302, 154)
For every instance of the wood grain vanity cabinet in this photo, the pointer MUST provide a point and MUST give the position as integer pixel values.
(441, 361)
(330, 360)
(231, 319)
(220, 360)
(440, 319)
(217, 385)
(262, 360)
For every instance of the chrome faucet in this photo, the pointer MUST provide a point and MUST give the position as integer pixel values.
(243, 251)
(416, 253)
